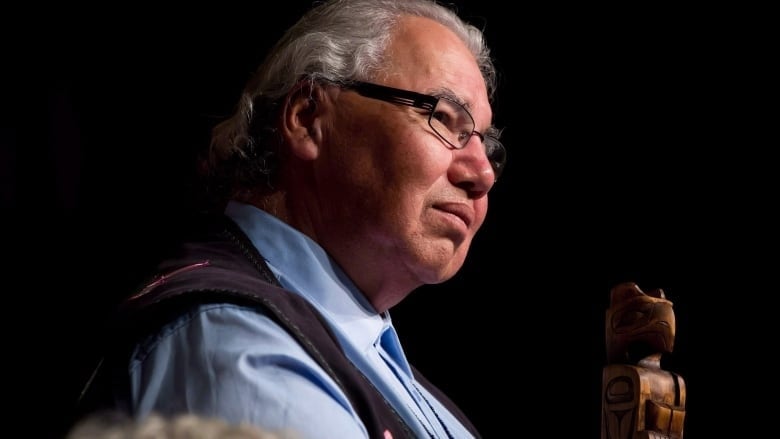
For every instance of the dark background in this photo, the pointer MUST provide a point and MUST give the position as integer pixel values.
(628, 160)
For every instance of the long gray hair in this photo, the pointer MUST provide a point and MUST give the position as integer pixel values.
(337, 40)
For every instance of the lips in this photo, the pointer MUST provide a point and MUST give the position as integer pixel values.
(461, 210)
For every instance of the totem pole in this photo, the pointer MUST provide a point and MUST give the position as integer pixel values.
(639, 399)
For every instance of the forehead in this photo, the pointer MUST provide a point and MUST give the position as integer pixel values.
(425, 56)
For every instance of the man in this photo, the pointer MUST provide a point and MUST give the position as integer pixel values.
(356, 168)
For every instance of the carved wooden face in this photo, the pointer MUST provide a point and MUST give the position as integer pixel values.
(638, 324)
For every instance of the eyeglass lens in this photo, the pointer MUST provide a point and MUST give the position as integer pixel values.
(455, 125)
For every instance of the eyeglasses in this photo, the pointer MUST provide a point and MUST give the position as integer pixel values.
(450, 120)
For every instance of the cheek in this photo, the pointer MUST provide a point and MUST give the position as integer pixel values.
(393, 143)
(415, 160)
(346, 155)
(390, 167)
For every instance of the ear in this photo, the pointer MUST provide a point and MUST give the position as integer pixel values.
(301, 121)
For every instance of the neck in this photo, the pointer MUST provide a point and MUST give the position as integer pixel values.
(383, 292)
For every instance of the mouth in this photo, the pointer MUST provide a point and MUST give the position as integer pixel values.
(460, 210)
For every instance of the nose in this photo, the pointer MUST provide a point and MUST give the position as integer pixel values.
(471, 169)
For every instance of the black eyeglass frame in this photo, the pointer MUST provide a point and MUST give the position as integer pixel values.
(497, 152)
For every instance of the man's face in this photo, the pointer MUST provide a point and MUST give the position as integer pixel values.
(398, 207)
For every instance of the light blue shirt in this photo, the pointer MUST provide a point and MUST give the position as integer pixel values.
(236, 363)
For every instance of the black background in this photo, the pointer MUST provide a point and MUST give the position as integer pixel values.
(628, 160)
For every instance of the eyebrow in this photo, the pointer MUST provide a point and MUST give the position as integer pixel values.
(448, 93)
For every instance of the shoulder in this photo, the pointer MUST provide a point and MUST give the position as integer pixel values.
(220, 326)
(238, 363)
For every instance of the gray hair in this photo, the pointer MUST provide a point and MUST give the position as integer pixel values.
(337, 40)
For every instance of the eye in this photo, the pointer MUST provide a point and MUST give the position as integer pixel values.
(444, 116)
(464, 135)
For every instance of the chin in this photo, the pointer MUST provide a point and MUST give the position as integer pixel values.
(445, 271)
(434, 261)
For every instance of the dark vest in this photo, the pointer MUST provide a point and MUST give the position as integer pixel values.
(223, 266)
